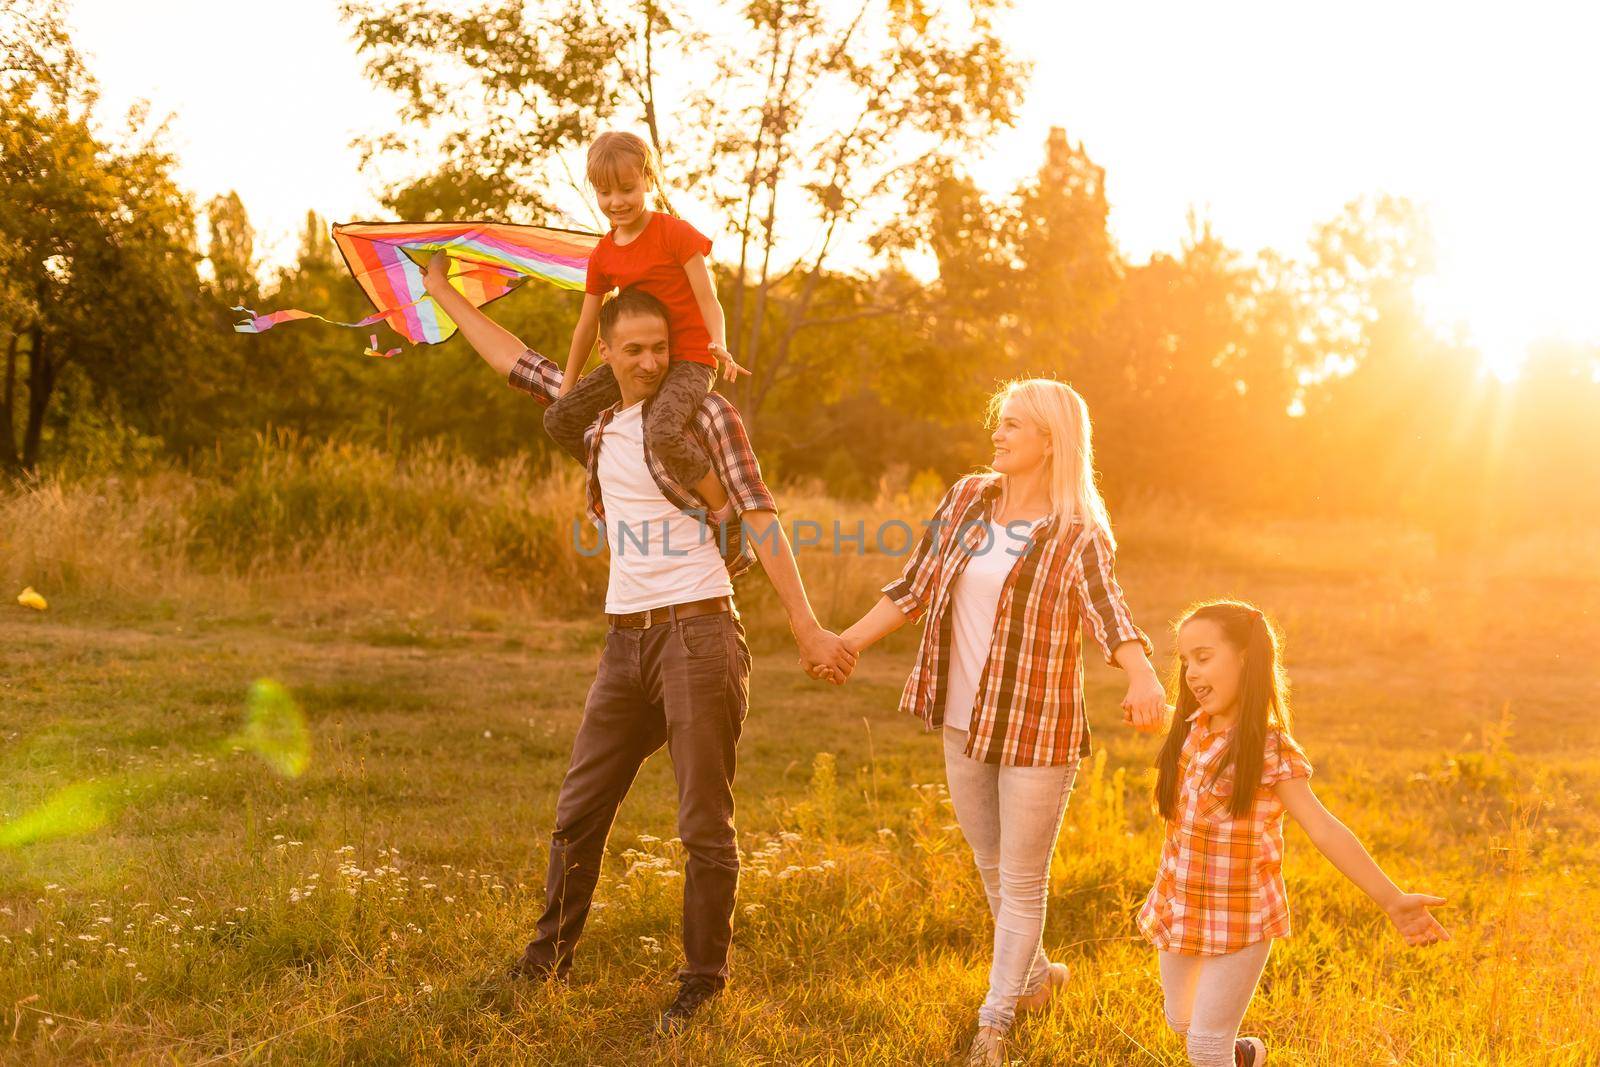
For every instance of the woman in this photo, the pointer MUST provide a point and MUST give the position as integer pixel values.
(1015, 560)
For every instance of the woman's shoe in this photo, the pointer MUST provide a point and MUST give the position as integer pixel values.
(1249, 1052)
(1054, 979)
(988, 1048)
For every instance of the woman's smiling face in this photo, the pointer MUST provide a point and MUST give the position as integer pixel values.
(1020, 445)
(1212, 666)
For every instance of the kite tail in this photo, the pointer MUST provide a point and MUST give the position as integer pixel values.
(261, 323)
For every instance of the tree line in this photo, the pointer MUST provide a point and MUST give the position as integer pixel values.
(875, 290)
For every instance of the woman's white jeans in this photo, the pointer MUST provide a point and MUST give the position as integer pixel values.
(1010, 816)
(1206, 997)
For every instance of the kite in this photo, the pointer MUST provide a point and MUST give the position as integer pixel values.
(488, 260)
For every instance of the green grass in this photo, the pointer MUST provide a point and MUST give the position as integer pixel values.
(361, 913)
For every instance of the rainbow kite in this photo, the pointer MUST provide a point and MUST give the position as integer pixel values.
(488, 260)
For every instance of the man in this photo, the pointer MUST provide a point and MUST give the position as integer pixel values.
(675, 669)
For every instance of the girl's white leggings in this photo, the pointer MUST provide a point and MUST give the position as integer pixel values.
(1206, 997)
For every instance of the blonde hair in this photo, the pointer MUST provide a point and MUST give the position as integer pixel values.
(614, 152)
(1062, 416)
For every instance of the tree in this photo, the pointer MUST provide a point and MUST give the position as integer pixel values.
(231, 250)
(99, 244)
(506, 92)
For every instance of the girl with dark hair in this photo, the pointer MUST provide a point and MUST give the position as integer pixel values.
(1228, 771)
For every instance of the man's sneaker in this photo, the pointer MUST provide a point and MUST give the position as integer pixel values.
(1249, 1052)
(693, 992)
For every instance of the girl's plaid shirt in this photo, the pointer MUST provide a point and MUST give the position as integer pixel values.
(716, 426)
(1029, 710)
(1220, 885)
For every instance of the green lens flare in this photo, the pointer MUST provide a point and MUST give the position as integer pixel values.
(80, 808)
(275, 729)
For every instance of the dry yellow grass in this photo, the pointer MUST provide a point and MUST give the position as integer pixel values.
(361, 913)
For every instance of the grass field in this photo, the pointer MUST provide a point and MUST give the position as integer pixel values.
(361, 912)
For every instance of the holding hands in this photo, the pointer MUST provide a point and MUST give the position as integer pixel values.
(1145, 707)
(825, 672)
(824, 654)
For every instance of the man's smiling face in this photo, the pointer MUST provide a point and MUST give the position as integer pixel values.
(637, 350)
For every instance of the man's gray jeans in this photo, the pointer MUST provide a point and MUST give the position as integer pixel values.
(685, 684)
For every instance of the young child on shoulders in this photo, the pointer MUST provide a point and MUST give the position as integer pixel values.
(665, 257)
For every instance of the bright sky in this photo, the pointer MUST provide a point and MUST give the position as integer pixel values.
(1266, 116)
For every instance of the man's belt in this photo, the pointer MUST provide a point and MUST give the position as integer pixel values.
(639, 620)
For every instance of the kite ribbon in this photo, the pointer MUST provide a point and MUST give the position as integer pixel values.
(262, 323)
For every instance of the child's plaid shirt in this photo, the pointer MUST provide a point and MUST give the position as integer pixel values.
(1220, 884)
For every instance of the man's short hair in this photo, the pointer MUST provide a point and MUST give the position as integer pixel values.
(630, 301)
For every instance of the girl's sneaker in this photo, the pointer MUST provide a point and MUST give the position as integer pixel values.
(1249, 1052)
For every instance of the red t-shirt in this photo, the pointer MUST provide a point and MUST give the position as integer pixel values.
(653, 261)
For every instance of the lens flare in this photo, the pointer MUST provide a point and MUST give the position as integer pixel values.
(274, 729)
(77, 809)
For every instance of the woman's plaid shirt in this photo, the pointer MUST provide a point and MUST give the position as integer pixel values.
(1029, 710)
(1220, 884)
(716, 426)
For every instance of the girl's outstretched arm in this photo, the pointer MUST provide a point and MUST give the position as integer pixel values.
(1408, 911)
(705, 295)
(583, 336)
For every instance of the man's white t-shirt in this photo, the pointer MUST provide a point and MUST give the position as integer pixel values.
(659, 556)
(974, 600)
